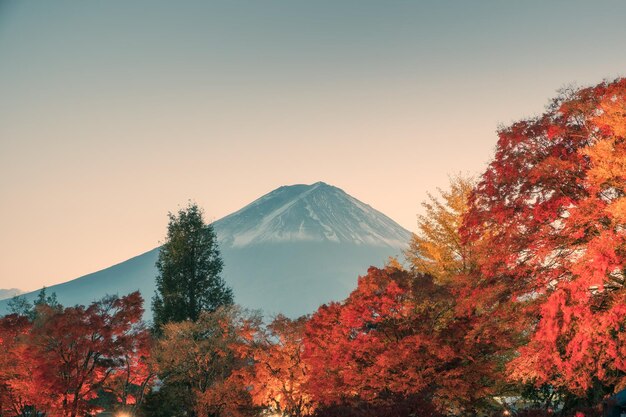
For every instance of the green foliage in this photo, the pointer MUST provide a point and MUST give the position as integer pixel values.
(189, 268)
(46, 300)
(170, 400)
(20, 306)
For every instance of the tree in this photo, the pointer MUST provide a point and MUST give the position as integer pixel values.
(198, 360)
(279, 375)
(384, 345)
(20, 306)
(76, 350)
(437, 249)
(482, 340)
(550, 212)
(61, 361)
(134, 375)
(20, 392)
(189, 267)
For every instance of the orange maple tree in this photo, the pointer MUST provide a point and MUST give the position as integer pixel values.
(205, 358)
(277, 378)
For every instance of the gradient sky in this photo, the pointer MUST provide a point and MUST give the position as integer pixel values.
(112, 113)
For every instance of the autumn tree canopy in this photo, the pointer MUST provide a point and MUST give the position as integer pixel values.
(60, 360)
(549, 216)
(437, 249)
(200, 359)
(383, 343)
(279, 374)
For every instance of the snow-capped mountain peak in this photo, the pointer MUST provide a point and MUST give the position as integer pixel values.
(317, 212)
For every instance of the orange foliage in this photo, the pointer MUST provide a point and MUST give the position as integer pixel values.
(279, 374)
(207, 357)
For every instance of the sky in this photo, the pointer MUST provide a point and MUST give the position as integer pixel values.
(114, 113)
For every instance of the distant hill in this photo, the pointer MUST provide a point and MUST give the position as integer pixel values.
(9, 293)
(287, 252)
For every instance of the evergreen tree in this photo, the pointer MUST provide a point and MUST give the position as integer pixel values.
(189, 267)
(21, 306)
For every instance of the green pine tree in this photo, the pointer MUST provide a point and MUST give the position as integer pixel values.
(19, 305)
(189, 267)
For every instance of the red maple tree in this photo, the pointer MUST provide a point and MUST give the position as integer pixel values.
(394, 338)
(20, 392)
(58, 360)
(549, 215)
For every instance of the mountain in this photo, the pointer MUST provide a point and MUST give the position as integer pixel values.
(309, 213)
(289, 251)
(9, 293)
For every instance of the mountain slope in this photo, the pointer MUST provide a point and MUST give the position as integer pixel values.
(9, 293)
(287, 252)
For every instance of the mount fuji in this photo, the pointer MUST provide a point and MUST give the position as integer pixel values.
(288, 252)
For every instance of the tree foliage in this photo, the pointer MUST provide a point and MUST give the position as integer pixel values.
(189, 267)
(549, 216)
(278, 376)
(61, 361)
(391, 340)
(200, 359)
(437, 249)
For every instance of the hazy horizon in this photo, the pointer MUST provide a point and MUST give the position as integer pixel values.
(114, 113)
